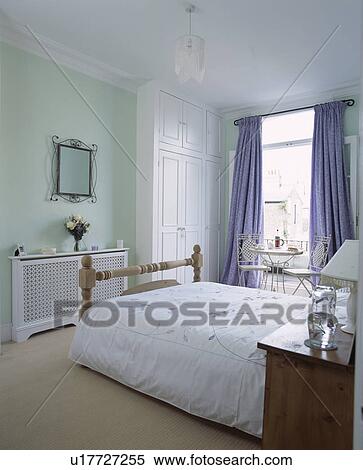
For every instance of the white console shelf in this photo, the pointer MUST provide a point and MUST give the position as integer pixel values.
(45, 291)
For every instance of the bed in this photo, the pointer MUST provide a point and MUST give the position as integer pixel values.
(210, 368)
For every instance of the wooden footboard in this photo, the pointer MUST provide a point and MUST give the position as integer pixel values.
(88, 275)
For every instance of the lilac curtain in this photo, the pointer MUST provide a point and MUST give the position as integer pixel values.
(246, 213)
(330, 210)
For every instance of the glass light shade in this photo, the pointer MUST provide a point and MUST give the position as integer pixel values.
(190, 58)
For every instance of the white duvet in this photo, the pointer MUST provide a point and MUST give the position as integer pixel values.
(209, 370)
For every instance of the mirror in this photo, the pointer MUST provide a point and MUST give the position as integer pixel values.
(74, 171)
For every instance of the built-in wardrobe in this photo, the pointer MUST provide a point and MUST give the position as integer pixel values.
(178, 185)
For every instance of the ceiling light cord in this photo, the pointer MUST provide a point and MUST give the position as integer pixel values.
(190, 9)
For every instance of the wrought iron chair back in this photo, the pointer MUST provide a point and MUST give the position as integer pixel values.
(246, 242)
(319, 252)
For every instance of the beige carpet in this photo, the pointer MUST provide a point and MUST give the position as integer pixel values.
(88, 410)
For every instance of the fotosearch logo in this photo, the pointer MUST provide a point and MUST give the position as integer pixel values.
(166, 314)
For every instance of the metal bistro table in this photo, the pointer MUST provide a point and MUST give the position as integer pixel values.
(276, 259)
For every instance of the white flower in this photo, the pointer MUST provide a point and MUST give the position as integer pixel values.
(75, 221)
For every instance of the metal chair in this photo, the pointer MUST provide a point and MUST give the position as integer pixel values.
(246, 257)
(317, 261)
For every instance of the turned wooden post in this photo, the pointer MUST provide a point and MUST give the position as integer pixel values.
(87, 280)
(197, 258)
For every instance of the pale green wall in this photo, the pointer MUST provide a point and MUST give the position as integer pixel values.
(37, 102)
(351, 127)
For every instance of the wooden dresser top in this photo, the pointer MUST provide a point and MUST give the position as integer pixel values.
(289, 339)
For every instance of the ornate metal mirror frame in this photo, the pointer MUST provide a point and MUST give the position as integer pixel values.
(76, 144)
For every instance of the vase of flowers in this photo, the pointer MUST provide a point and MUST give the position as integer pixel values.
(77, 226)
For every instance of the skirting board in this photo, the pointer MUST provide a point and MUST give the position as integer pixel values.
(5, 331)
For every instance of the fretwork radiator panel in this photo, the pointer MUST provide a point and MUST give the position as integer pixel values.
(114, 287)
(45, 285)
(45, 292)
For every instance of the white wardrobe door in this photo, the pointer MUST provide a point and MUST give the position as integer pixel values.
(170, 210)
(192, 209)
(180, 210)
(171, 116)
(213, 220)
(214, 135)
(192, 127)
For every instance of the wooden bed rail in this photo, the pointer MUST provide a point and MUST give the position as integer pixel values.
(88, 275)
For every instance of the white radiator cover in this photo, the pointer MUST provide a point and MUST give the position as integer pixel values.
(39, 282)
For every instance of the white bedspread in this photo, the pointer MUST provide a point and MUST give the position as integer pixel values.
(213, 371)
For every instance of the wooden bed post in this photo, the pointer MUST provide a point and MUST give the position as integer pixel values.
(87, 280)
(197, 258)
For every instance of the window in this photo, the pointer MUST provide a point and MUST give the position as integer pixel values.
(287, 148)
(286, 141)
(288, 128)
(295, 214)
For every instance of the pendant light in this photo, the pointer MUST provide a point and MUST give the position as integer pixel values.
(189, 54)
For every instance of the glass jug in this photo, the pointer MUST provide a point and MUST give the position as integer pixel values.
(322, 322)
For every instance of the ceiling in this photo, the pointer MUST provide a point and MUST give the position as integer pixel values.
(255, 49)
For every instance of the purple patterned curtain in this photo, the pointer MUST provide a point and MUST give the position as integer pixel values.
(330, 210)
(246, 214)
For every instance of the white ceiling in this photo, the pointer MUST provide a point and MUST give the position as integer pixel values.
(255, 48)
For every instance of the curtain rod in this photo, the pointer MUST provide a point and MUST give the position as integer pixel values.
(350, 102)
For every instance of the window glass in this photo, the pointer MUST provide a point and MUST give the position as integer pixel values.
(287, 127)
(286, 188)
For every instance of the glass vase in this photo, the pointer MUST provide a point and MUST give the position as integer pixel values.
(322, 322)
(77, 245)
